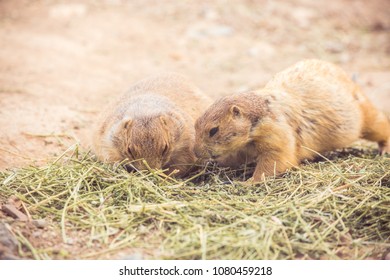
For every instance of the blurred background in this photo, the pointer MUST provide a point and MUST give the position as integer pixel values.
(61, 61)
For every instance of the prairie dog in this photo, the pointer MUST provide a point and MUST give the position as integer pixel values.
(152, 121)
(312, 106)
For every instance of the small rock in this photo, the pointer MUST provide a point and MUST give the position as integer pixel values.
(220, 30)
(36, 234)
(334, 47)
(70, 241)
(303, 16)
(12, 211)
(8, 243)
(262, 49)
(6, 238)
(204, 31)
(47, 142)
(344, 58)
(41, 223)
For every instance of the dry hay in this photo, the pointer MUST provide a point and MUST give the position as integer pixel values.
(334, 208)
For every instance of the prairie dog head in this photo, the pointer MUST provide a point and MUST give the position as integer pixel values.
(149, 139)
(222, 130)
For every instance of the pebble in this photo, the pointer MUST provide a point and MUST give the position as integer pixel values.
(12, 211)
(6, 238)
(334, 47)
(41, 223)
(206, 31)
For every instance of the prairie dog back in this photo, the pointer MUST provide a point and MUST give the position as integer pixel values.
(319, 99)
(176, 88)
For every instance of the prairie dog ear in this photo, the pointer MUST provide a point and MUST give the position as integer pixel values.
(126, 123)
(169, 126)
(235, 111)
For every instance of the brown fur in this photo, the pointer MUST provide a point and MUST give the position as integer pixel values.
(153, 121)
(311, 107)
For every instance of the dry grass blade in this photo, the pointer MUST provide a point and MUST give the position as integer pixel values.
(337, 208)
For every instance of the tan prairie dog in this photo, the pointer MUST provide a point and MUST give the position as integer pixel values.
(310, 107)
(152, 121)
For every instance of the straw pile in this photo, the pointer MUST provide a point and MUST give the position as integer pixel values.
(337, 207)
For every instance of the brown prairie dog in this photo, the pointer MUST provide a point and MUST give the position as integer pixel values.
(310, 107)
(152, 121)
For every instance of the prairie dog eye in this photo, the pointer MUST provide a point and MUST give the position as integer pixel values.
(213, 131)
(165, 150)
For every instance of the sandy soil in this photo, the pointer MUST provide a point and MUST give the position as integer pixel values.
(61, 61)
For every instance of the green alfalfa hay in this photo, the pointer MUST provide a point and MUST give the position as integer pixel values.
(338, 207)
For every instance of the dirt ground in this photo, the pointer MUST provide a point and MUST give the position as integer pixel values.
(61, 61)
